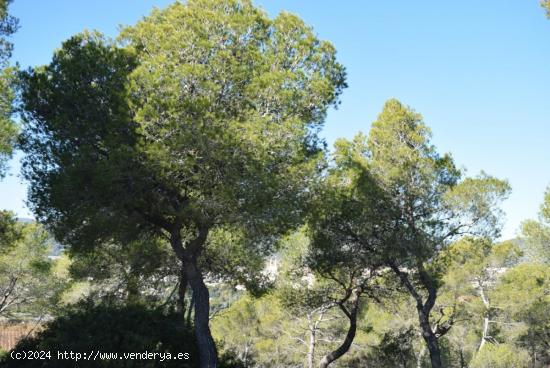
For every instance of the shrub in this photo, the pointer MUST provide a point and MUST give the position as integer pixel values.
(110, 329)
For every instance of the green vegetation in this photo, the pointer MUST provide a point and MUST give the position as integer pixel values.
(30, 283)
(8, 129)
(536, 234)
(199, 210)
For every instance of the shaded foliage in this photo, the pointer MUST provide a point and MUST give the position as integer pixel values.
(118, 329)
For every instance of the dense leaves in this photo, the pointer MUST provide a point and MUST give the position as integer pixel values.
(201, 119)
(9, 230)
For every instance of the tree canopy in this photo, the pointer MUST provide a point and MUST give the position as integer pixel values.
(202, 118)
(407, 204)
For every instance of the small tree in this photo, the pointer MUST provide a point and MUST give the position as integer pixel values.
(28, 281)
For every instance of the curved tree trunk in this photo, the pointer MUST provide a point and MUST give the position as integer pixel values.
(207, 347)
(429, 336)
(350, 335)
(208, 356)
(423, 308)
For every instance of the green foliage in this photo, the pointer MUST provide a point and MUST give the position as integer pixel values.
(472, 267)
(546, 5)
(254, 330)
(28, 281)
(349, 211)
(475, 204)
(325, 287)
(391, 199)
(143, 271)
(395, 349)
(237, 259)
(420, 204)
(9, 230)
(84, 144)
(424, 187)
(176, 127)
(394, 337)
(8, 129)
(264, 333)
(522, 295)
(8, 26)
(339, 257)
(196, 130)
(201, 119)
(109, 329)
(473, 262)
(536, 234)
(500, 356)
(299, 289)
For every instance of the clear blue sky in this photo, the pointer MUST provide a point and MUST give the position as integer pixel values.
(478, 71)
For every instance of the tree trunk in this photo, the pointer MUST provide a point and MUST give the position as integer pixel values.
(430, 338)
(344, 347)
(201, 298)
(484, 333)
(435, 353)
(207, 348)
(423, 308)
(486, 317)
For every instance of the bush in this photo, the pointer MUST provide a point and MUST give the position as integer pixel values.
(108, 329)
